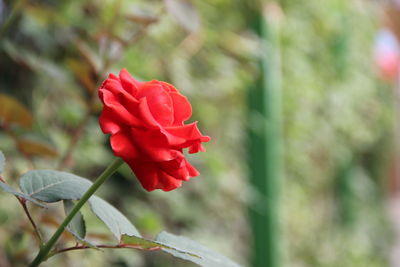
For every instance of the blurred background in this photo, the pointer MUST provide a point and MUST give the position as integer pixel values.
(299, 98)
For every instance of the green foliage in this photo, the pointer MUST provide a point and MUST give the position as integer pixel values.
(115, 220)
(181, 247)
(54, 54)
(334, 109)
(137, 241)
(190, 250)
(52, 186)
(77, 226)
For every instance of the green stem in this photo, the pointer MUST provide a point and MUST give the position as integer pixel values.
(45, 249)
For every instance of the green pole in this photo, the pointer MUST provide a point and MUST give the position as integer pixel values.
(271, 67)
(265, 148)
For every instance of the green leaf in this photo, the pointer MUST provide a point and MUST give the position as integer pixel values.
(77, 225)
(142, 243)
(190, 250)
(185, 14)
(53, 186)
(2, 162)
(180, 247)
(11, 190)
(113, 218)
(139, 242)
(82, 240)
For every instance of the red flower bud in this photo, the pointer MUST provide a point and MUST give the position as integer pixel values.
(146, 123)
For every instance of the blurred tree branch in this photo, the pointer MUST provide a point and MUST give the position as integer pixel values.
(13, 15)
(25, 208)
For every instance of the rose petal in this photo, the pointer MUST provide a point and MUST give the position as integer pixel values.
(182, 108)
(127, 81)
(115, 87)
(154, 145)
(122, 146)
(107, 121)
(159, 102)
(192, 170)
(196, 148)
(117, 109)
(146, 173)
(168, 87)
(146, 123)
(112, 77)
(145, 114)
(189, 133)
(167, 182)
(151, 177)
(179, 169)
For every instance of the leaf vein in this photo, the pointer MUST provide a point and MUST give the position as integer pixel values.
(46, 187)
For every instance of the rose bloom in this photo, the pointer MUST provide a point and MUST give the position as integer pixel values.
(146, 123)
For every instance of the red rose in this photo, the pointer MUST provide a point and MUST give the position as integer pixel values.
(146, 123)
